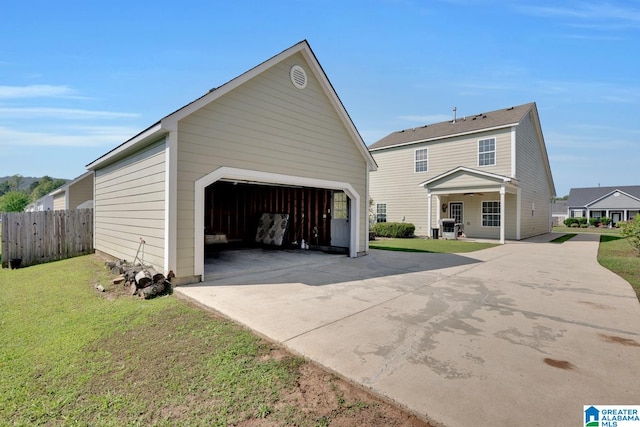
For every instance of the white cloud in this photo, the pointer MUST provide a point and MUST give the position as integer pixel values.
(35, 91)
(62, 113)
(89, 136)
(603, 15)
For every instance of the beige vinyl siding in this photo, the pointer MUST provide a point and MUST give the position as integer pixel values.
(532, 176)
(129, 204)
(60, 201)
(267, 125)
(80, 192)
(396, 183)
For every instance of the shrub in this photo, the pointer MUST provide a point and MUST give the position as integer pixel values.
(631, 230)
(575, 225)
(570, 221)
(582, 220)
(594, 221)
(585, 225)
(394, 229)
(605, 221)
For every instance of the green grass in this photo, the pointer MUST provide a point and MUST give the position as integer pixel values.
(617, 254)
(69, 355)
(564, 238)
(594, 230)
(429, 245)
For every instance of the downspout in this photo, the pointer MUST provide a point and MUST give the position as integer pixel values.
(171, 202)
(429, 204)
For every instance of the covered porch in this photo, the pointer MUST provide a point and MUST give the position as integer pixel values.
(483, 205)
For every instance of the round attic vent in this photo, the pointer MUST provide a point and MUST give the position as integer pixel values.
(298, 76)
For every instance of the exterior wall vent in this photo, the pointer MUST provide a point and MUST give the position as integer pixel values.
(298, 76)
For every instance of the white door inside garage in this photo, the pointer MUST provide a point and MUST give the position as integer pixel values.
(340, 227)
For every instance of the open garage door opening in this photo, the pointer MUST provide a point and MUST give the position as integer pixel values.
(312, 218)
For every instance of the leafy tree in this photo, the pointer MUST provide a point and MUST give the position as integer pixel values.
(16, 182)
(4, 187)
(44, 186)
(631, 230)
(14, 201)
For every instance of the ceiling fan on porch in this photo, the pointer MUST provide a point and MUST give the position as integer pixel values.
(473, 194)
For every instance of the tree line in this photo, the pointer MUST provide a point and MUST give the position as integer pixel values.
(15, 194)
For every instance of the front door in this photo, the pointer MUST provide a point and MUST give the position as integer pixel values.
(616, 217)
(340, 227)
(455, 212)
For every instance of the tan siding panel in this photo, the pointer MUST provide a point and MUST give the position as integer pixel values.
(130, 205)
(266, 125)
(80, 192)
(533, 181)
(59, 201)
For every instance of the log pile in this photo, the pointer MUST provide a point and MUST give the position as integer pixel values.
(142, 280)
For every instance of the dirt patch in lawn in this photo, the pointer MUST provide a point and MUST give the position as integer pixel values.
(188, 366)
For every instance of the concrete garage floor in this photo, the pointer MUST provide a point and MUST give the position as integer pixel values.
(521, 334)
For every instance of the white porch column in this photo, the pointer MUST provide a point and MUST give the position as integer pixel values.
(502, 209)
(429, 212)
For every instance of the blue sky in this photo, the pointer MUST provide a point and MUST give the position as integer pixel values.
(77, 78)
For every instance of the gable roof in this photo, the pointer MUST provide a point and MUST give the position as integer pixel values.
(169, 122)
(470, 124)
(581, 197)
(468, 171)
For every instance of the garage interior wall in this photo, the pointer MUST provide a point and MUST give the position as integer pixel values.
(233, 209)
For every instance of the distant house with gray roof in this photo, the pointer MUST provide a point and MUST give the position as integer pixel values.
(618, 203)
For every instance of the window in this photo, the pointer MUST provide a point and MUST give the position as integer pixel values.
(422, 160)
(340, 205)
(491, 214)
(381, 212)
(487, 152)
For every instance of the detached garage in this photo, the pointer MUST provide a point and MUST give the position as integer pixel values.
(272, 146)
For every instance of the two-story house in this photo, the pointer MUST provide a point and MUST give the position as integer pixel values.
(489, 172)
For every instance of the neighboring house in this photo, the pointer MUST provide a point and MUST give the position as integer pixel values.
(75, 194)
(489, 172)
(618, 203)
(44, 203)
(559, 212)
(275, 139)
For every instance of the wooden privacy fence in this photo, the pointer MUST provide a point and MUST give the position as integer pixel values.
(38, 237)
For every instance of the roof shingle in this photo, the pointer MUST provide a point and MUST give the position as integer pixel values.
(580, 197)
(478, 122)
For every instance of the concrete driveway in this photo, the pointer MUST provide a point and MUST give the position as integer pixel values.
(521, 334)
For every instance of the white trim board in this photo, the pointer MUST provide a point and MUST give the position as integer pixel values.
(254, 176)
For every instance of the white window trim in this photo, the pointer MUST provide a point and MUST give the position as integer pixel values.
(482, 214)
(415, 161)
(386, 211)
(495, 151)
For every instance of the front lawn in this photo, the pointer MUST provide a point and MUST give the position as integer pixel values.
(617, 254)
(429, 245)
